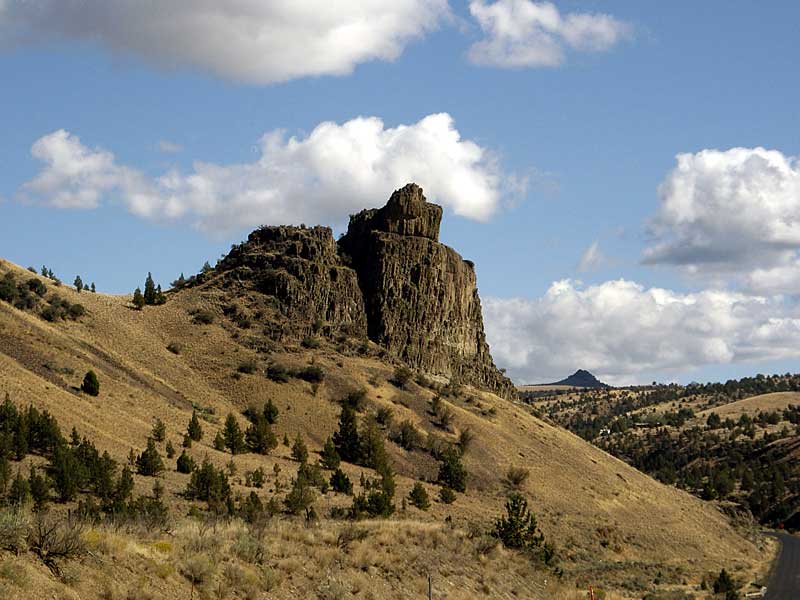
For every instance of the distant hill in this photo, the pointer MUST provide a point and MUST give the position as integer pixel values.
(581, 378)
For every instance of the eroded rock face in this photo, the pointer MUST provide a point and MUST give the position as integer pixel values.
(389, 278)
(420, 296)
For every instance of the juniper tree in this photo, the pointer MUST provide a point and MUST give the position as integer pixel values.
(149, 290)
(329, 458)
(194, 429)
(149, 461)
(39, 487)
(159, 430)
(185, 464)
(234, 439)
(90, 384)
(299, 450)
(20, 491)
(346, 440)
(78, 283)
(93, 289)
(138, 299)
(419, 497)
(271, 412)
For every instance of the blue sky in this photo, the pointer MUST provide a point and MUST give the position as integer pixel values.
(593, 137)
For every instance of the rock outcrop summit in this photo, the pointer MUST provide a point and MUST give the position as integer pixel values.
(388, 278)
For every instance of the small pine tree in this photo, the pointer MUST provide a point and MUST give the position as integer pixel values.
(219, 442)
(159, 430)
(452, 472)
(187, 441)
(271, 412)
(299, 450)
(234, 439)
(194, 430)
(286, 439)
(170, 449)
(138, 299)
(78, 283)
(518, 529)
(93, 289)
(90, 384)
(149, 462)
(149, 290)
(419, 497)
(329, 458)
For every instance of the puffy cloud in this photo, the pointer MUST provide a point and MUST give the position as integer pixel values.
(620, 330)
(321, 178)
(733, 213)
(258, 42)
(522, 33)
(593, 258)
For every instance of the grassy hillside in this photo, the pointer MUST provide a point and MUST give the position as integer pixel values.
(613, 526)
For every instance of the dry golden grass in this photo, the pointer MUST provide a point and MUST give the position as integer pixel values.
(755, 404)
(581, 495)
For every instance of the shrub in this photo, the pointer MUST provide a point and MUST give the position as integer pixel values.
(204, 317)
(90, 384)
(384, 416)
(53, 539)
(408, 436)
(278, 373)
(248, 367)
(76, 311)
(36, 286)
(419, 497)
(517, 476)
(446, 495)
(14, 527)
(401, 376)
(355, 399)
(312, 374)
(310, 342)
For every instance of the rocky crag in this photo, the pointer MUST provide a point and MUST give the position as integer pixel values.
(388, 279)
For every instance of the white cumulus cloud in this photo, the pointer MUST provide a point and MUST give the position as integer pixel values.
(335, 170)
(621, 330)
(732, 214)
(253, 41)
(522, 33)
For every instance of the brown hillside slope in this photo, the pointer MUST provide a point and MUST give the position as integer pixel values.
(612, 524)
(754, 404)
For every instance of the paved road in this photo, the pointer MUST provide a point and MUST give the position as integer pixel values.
(785, 581)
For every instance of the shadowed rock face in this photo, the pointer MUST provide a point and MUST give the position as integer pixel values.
(389, 278)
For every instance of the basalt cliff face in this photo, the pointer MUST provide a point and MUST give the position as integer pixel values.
(388, 278)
